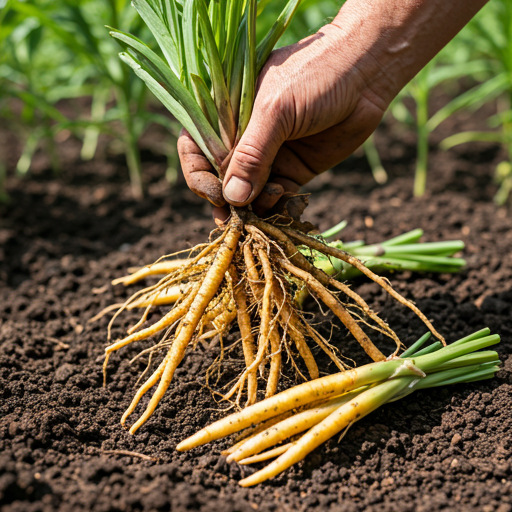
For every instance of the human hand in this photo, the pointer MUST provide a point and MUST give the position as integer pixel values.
(318, 100)
(309, 114)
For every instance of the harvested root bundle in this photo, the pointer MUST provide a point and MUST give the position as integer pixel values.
(252, 268)
(304, 417)
(251, 273)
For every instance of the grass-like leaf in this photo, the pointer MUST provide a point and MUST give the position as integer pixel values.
(473, 98)
(220, 90)
(274, 34)
(161, 33)
(205, 101)
(249, 77)
(472, 136)
(174, 96)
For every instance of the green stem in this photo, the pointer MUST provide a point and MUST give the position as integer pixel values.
(134, 164)
(420, 180)
(407, 238)
(429, 248)
(417, 346)
(372, 154)
(335, 230)
(4, 197)
(132, 152)
(92, 133)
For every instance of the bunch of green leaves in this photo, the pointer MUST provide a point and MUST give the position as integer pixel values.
(211, 59)
(489, 38)
(444, 70)
(293, 423)
(402, 253)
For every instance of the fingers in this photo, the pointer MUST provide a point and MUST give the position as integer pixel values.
(220, 215)
(249, 168)
(326, 149)
(268, 197)
(198, 171)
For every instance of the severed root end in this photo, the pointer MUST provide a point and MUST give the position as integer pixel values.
(249, 273)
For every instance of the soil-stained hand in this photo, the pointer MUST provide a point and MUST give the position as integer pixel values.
(318, 100)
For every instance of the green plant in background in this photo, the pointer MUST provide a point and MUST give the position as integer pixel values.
(54, 51)
(88, 67)
(372, 155)
(444, 70)
(310, 17)
(489, 36)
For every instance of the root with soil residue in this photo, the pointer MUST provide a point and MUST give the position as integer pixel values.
(250, 273)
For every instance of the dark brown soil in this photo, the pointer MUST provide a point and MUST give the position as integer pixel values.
(63, 238)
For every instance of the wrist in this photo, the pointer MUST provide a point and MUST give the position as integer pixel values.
(388, 41)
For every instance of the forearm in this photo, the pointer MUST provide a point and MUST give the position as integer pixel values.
(389, 41)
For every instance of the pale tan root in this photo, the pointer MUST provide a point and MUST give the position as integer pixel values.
(209, 287)
(105, 311)
(292, 253)
(368, 311)
(337, 308)
(263, 336)
(169, 296)
(178, 275)
(359, 265)
(326, 347)
(290, 319)
(242, 437)
(275, 363)
(152, 380)
(215, 309)
(172, 295)
(142, 320)
(275, 339)
(287, 319)
(252, 272)
(342, 417)
(290, 427)
(225, 319)
(137, 274)
(307, 392)
(244, 324)
(175, 314)
(270, 454)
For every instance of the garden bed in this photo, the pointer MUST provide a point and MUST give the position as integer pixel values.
(63, 238)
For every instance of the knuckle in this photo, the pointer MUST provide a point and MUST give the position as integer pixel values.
(270, 103)
(248, 157)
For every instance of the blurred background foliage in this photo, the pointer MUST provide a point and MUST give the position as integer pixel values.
(60, 73)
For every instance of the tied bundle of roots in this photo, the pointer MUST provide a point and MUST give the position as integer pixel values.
(249, 272)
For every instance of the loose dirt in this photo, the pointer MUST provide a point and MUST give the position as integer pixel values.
(64, 237)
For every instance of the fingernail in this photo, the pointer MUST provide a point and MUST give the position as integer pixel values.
(237, 190)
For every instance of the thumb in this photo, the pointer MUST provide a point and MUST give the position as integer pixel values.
(249, 168)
